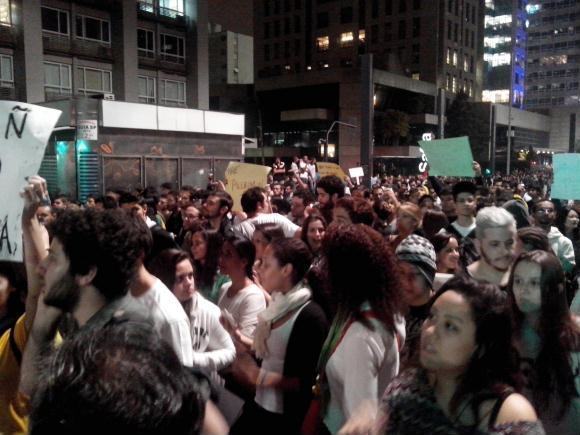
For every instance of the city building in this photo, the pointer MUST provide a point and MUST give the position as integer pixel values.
(504, 56)
(553, 68)
(139, 60)
(308, 66)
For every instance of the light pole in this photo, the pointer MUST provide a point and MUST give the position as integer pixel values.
(346, 124)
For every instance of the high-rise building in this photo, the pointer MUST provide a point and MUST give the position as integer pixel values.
(504, 56)
(553, 67)
(148, 51)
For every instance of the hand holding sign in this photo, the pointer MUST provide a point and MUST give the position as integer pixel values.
(26, 130)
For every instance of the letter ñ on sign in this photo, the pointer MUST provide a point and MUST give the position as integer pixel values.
(12, 121)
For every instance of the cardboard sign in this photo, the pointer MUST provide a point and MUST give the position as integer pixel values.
(24, 130)
(241, 176)
(356, 172)
(449, 157)
(566, 176)
(325, 168)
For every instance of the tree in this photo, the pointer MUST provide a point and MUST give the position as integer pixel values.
(390, 127)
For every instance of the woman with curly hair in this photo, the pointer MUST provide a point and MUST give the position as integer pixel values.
(548, 337)
(361, 353)
(465, 384)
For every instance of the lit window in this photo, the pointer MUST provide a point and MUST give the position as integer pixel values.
(6, 71)
(454, 57)
(454, 84)
(346, 39)
(322, 43)
(491, 21)
(361, 35)
(497, 59)
(57, 79)
(496, 96)
(5, 16)
(416, 76)
(93, 81)
(172, 92)
(448, 56)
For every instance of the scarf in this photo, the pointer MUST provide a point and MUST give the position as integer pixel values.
(280, 305)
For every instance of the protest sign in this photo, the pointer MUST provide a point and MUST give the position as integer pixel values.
(241, 176)
(449, 157)
(24, 130)
(325, 168)
(356, 172)
(566, 176)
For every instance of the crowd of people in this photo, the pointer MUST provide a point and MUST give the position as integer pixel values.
(315, 306)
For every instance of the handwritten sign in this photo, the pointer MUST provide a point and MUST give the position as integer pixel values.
(566, 176)
(449, 157)
(24, 130)
(241, 176)
(87, 129)
(325, 168)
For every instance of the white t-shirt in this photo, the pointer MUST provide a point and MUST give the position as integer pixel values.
(213, 348)
(360, 369)
(169, 320)
(464, 231)
(244, 306)
(247, 227)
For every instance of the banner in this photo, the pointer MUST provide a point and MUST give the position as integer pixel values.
(241, 176)
(24, 130)
(325, 168)
(449, 157)
(566, 176)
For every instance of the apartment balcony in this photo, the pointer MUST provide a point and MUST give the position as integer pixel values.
(7, 36)
(7, 93)
(151, 10)
(165, 62)
(57, 44)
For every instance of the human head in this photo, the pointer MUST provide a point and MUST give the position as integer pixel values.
(174, 268)
(447, 202)
(351, 210)
(277, 189)
(285, 264)
(60, 202)
(313, 230)
(97, 248)
(172, 201)
(329, 188)
(495, 230)
(238, 255)
(90, 374)
(44, 214)
(301, 199)
(433, 222)
(426, 202)
(253, 200)
(569, 221)
(447, 250)
(468, 334)
(544, 213)
(90, 201)
(217, 204)
(519, 210)
(408, 218)
(263, 235)
(185, 196)
(205, 249)
(360, 267)
(464, 197)
(418, 253)
(191, 217)
(531, 238)
(12, 288)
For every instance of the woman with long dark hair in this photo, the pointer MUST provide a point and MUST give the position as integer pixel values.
(288, 339)
(468, 372)
(361, 353)
(548, 338)
(447, 250)
(205, 249)
(313, 230)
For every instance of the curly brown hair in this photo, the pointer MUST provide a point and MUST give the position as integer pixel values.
(360, 267)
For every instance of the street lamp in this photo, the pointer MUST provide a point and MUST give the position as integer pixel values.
(346, 124)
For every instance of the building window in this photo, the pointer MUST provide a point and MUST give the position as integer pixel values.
(297, 25)
(454, 57)
(388, 7)
(276, 51)
(416, 27)
(54, 20)
(388, 32)
(57, 79)
(266, 52)
(147, 90)
(266, 8)
(266, 30)
(286, 49)
(93, 81)
(455, 32)
(362, 36)
(416, 6)
(346, 39)
(402, 6)
(276, 28)
(450, 8)
(172, 93)
(322, 20)
(276, 7)
(454, 84)
(402, 29)
(374, 34)
(171, 8)
(172, 48)
(297, 47)
(286, 26)
(415, 49)
(5, 15)
(375, 8)
(6, 71)
(448, 57)
(297, 4)
(346, 15)
(146, 43)
(465, 63)
(449, 29)
(322, 43)
(93, 29)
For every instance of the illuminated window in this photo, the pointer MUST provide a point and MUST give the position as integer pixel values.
(5, 16)
(454, 57)
(497, 21)
(322, 43)
(361, 35)
(496, 96)
(346, 39)
(497, 59)
(454, 84)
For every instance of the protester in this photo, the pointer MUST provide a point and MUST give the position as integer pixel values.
(468, 374)
(496, 242)
(568, 226)
(408, 222)
(447, 250)
(301, 199)
(313, 231)
(433, 222)
(548, 340)
(328, 190)
(349, 210)
(215, 209)
(464, 226)
(213, 348)
(12, 294)
(288, 339)
(532, 238)
(361, 353)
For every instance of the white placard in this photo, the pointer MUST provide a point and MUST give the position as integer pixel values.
(87, 129)
(24, 132)
(356, 172)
